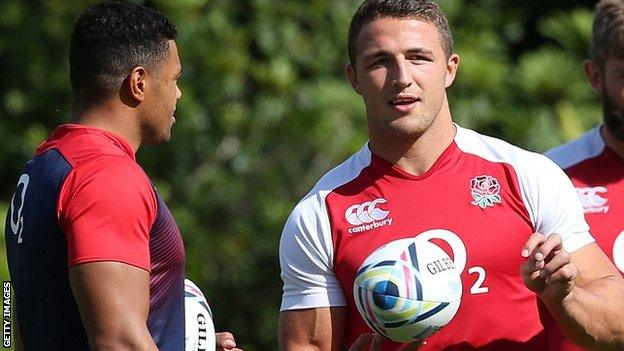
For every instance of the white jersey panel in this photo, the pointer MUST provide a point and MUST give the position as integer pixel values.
(548, 194)
(306, 247)
(586, 146)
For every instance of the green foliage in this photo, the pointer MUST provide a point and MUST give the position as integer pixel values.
(266, 110)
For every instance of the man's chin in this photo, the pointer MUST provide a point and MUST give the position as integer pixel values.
(613, 117)
(618, 134)
(157, 139)
(615, 125)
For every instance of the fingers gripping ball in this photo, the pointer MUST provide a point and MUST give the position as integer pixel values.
(200, 333)
(407, 290)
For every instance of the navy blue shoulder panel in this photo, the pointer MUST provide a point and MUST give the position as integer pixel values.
(37, 256)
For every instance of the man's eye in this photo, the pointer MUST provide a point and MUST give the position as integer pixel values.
(419, 59)
(379, 61)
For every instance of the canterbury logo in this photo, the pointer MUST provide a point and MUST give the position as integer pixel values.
(366, 212)
(593, 199)
(590, 197)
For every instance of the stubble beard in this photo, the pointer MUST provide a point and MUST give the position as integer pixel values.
(415, 124)
(157, 131)
(613, 117)
(415, 127)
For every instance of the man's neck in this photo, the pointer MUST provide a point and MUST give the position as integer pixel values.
(612, 142)
(115, 118)
(417, 155)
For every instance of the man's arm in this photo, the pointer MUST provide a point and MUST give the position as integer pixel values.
(583, 291)
(313, 329)
(323, 329)
(113, 300)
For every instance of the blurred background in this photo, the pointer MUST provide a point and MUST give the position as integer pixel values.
(266, 110)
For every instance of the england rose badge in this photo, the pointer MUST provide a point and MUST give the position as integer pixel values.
(485, 191)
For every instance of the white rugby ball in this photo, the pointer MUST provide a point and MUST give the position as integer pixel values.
(407, 289)
(199, 330)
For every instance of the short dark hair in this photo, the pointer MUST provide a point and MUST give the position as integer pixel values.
(608, 31)
(109, 40)
(424, 10)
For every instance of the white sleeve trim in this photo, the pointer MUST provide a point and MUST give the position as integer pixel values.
(547, 193)
(306, 247)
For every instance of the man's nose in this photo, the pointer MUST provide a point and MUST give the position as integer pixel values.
(401, 77)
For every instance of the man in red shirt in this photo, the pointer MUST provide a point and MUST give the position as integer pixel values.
(95, 256)
(595, 160)
(509, 218)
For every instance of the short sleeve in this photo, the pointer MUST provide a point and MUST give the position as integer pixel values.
(106, 209)
(306, 259)
(554, 205)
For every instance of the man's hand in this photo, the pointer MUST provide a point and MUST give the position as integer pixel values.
(372, 342)
(226, 342)
(548, 270)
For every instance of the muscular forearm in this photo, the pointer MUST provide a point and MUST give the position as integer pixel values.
(593, 315)
(124, 344)
(315, 329)
(124, 335)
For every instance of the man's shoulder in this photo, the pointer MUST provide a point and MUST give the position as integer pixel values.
(338, 176)
(496, 150)
(344, 173)
(79, 144)
(101, 167)
(95, 152)
(588, 145)
(112, 165)
(532, 171)
(111, 181)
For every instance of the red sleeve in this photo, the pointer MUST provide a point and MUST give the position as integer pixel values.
(106, 210)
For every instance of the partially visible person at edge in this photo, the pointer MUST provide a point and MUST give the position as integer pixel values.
(95, 256)
(511, 217)
(595, 160)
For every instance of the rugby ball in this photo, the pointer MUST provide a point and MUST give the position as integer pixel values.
(199, 328)
(407, 289)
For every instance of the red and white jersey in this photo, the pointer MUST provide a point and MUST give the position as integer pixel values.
(598, 175)
(486, 195)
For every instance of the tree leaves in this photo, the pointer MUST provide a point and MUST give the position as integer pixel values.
(266, 110)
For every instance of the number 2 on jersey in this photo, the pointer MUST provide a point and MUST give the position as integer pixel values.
(477, 287)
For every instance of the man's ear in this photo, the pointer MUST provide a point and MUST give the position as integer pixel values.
(452, 64)
(137, 83)
(352, 76)
(594, 75)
